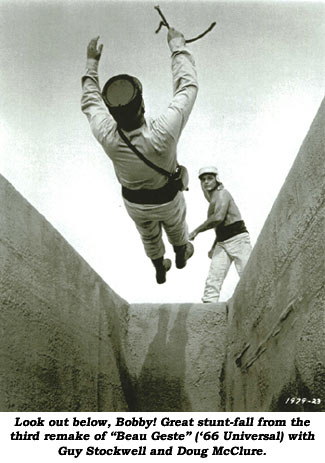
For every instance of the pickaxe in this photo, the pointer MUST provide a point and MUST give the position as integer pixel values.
(164, 22)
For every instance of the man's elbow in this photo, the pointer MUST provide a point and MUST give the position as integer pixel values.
(84, 104)
(193, 88)
(218, 219)
(211, 222)
(192, 91)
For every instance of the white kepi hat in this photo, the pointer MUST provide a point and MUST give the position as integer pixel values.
(208, 170)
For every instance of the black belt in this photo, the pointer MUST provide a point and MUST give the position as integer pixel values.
(160, 196)
(228, 231)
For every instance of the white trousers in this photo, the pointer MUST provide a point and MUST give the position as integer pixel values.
(236, 249)
(151, 218)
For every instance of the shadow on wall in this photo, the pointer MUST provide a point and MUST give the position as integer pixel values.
(276, 332)
(298, 397)
(161, 383)
(113, 324)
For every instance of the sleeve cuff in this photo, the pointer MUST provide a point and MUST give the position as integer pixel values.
(92, 64)
(177, 44)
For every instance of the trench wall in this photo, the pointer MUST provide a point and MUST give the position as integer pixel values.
(60, 324)
(175, 356)
(68, 342)
(276, 335)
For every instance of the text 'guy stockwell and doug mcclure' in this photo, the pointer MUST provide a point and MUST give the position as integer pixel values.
(159, 436)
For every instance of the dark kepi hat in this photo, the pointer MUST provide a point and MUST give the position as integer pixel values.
(122, 95)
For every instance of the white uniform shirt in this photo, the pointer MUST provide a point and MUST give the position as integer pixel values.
(157, 139)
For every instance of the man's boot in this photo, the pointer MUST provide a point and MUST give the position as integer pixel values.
(183, 253)
(162, 266)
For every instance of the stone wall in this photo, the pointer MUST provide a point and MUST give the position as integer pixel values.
(275, 341)
(69, 343)
(175, 356)
(60, 324)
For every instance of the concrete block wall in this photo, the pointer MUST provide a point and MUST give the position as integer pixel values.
(276, 335)
(60, 324)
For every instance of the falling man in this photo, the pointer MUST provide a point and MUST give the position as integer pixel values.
(232, 242)
(116, 117)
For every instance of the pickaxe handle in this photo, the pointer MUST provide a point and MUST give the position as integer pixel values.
(165, 23)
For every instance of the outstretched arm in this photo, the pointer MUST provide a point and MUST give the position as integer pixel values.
(185, 88)
(92, 103)
(216, 213)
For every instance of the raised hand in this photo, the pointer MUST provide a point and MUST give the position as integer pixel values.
(93, 51)
(172, 33)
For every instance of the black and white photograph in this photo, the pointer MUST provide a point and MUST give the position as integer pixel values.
(162, 184)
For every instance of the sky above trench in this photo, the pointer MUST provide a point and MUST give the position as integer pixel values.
(261, 79)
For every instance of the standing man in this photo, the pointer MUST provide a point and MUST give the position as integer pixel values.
(232, 242)
(151, 200)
